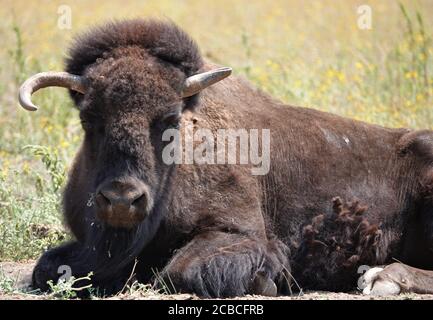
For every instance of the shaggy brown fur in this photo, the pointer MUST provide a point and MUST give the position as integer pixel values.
(334, 245)
(215, 229)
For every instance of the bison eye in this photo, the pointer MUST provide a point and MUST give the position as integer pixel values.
(87, 126)
(91, 127)
(171, 121)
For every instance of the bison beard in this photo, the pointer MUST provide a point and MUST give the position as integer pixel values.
(108, 254)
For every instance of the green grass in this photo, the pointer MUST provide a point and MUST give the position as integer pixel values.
(304, 53)
(7, 284)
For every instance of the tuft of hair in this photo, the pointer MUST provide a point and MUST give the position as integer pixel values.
(334, 245)
(162, 39)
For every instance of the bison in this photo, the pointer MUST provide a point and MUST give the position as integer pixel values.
(339, 194)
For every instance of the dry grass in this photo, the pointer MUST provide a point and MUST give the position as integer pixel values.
(19, 274)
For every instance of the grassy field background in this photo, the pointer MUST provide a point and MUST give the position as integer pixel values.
(308, 53)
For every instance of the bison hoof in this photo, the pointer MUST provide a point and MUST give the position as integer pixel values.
(375, 282)
(264, 286)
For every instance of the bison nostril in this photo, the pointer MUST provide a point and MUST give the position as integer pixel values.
(141, 200)
(102, 200)
(122, 204)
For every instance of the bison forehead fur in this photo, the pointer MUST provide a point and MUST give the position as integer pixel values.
(216, 230)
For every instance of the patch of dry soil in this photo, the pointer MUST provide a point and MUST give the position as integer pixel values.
(21, 273)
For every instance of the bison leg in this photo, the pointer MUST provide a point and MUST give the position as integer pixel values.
(53, 264)
(218, 264)
(397, 278)
(62, 262)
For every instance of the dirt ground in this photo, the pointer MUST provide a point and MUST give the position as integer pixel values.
(21, 273)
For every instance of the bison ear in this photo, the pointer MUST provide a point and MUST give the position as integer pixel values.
(191, 103)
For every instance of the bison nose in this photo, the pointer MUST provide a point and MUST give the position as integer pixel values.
(122, 204)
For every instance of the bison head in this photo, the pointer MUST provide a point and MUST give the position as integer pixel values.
(130, 81)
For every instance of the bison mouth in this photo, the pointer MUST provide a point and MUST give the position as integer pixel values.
(122, 223)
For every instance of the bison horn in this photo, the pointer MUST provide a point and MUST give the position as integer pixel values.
(198, 82)
(48, 79)
(193, 84)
